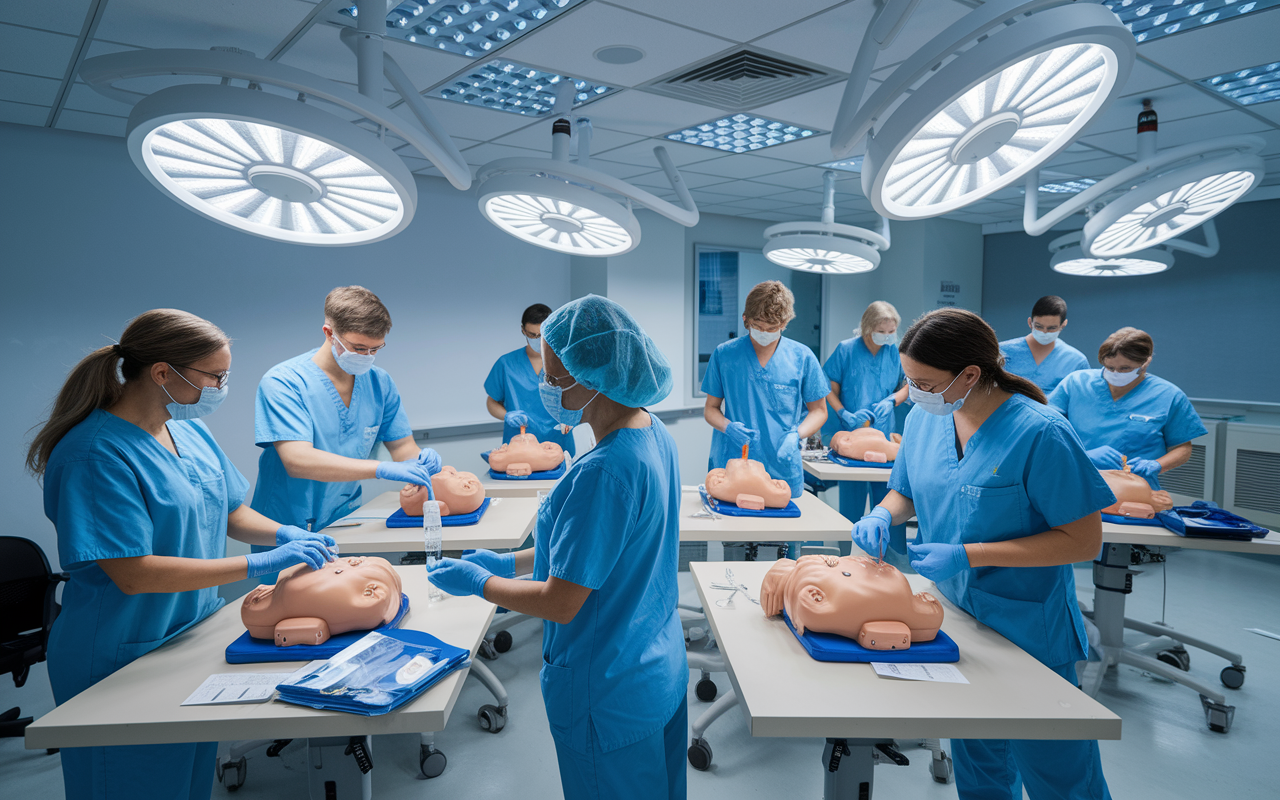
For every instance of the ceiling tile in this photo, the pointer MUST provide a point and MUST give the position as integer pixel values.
(34, 52)
(647, 114)
(759, 204)
(91, 123)
(23, 114)
(1096, 169)
(799, 197)
(745, 189)
(812, 150)
(1146, 76)
(1179, 132)
(745, 21)
(816, 109)
(741, 165)
(64, 16)
(1204, 52)
(321, 52)
(801, 178)
(775, 216)
(82, 97)
(711, 197)
(200, 25)
(29, 89)
(538, 137)
(1270, 110)
(566, 45)
(482, 154)
(641, 152)
(1171, 103)
(472, 122)
(628, 171)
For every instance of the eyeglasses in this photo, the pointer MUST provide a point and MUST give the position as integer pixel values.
(222, 377)
(364, 351)
(555, 380)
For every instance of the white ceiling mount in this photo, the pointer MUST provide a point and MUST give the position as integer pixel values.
(825, 247)
(1069, 258)
(990, 99)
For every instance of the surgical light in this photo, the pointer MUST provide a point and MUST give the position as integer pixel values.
(1069, 258)
(1153, 19)
(1247, 86)
(508, 86)
(741, 133)
(987, 101)
(825, 247)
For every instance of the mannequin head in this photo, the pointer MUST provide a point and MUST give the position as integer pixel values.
(866, 444)
(1134, 496)
(747, 484)
(852, 596)
(524, 455)
(306, 606)
(458, 493)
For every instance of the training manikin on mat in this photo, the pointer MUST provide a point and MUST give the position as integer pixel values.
(746, 484)
(307, 606)
(459, 494)
(525, 455)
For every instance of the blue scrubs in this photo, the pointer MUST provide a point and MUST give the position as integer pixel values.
(864, 380)
(769, 399)
(1023, 472)
(1152, 418)
(113, 491)
(298, 403)
(614, 678)
(1062, 360)
(513, 383)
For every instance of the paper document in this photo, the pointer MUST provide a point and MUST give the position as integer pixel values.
(236, 687)
(940, 673)
(1261, 632)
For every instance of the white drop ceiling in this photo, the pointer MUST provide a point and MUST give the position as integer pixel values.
(42, 43)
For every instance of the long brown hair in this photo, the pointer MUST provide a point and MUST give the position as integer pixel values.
(951, 339)
(162, 335)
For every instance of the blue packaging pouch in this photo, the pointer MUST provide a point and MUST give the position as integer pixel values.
(834, 647)
(1207, 520)
(789, 511)
(248, 650)
(545, 475)
(403, 520)
(849, 462)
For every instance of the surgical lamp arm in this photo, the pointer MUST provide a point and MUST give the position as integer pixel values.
(1207, 250)
(889, 18)
(687, 214)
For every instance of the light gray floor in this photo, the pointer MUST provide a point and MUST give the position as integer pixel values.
(1166, 751)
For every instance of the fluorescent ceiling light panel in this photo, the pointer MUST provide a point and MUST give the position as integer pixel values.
(469, 29)
(845, 164)
(1248, 86)
(741, 133)
(1153, 19)
(1067, 187)
(507, 86)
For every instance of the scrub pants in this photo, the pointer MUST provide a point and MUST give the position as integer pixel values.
(996, 769)
(162, 771)
(649, 769)
(853, 505)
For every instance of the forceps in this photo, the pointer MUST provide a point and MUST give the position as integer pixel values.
(731, 585)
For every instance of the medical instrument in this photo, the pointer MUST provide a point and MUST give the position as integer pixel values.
(731, 584)
(433, 544)
(706, 512)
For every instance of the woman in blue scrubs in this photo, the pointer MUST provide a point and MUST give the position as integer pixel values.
(143, 499)
(764, 390)
(866, 385)
(1041, 356)
(614, 672)
(512, 386)
(1123, 410)
(1007, 501)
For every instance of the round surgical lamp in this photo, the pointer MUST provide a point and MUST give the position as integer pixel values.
(825, 247)
(999, 93)
(1069, 259)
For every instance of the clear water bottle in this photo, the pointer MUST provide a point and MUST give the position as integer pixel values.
(432, 541)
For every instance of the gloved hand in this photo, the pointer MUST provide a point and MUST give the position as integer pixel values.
(871, 533)
(517, 419)
(938, 561)
(503, 565)
(884, 410)
(790, 447)
(459, 578)
(855, 419)
(292, 533)
(740, 434)
(311, 552)
(1147, 468)
(1105, 457)
(431, 460)
(407, 471)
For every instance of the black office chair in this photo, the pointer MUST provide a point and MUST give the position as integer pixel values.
(27, 610)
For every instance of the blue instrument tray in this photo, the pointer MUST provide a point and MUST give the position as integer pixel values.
(248, 650)
(403, 520)
(790, 511)
(849, 462)
(545, 475)
(834, 647)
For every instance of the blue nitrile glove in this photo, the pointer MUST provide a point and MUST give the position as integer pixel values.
(1147, 468)
(790, 447)
(431, 460)
(938, 562)
(406, 471)
(871, 533)
(855, 419)
(740, 434)
(311, 552)
(518, 419)
(502, 565)
(884, 410)
(1105, 457)
(459, 578)
(292, 533)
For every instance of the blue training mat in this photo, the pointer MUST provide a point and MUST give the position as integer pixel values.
(1118, 520)
(849, 462)
(834, 647)
(403, 520)
(248, 650)
(545, 475)
(790, 511)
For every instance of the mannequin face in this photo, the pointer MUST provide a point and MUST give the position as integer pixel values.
(852, 596)
(458, 492)
(524, 449)
(748, 485)
(866, 444)
(1134, 496)
(1049, 324)
(348, 594)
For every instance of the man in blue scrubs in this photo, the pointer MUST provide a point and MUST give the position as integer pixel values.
(512, 387)
(320, 415)
(1040, 356)
(765, 391)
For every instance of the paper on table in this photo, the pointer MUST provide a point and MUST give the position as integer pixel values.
(235, 687)
(1261, 632)
(940, 673)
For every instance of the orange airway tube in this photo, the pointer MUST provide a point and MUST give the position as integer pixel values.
(522, 430)
(744, 451)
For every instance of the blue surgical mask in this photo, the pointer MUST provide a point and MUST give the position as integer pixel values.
(764, 338)
(349, 361)
(1044, 337)
(535, 344)
(884, 339)
(210, 398)
(933, 401)
(552, 400)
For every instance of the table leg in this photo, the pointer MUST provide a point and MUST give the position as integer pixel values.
(849, 766)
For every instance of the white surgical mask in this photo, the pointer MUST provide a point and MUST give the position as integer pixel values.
(1044, 337)
(933, 402)
(1119, 379)
(764, 338)
(349, 361)
(884, 339)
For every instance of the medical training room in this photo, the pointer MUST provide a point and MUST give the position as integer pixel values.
(650, 399)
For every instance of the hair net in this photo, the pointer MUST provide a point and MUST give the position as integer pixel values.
(606, 350)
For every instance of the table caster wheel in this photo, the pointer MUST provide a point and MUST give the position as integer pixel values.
(431, 761)
(1218, 717)
(492, 718)
(706, 690)
(700, 755)
(502, 641)
(1176, 657)
(941, 769)
(231, 774)
(1232, 676)
(486, 650)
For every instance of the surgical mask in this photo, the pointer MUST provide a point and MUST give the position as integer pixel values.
(535, 344)
(764, 338)
(210, 398)
(552, 400)
(884, 339)
(1119, 379)
(1044, 337)
(349, 361)
(933, 402)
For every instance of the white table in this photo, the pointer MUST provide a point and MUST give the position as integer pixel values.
(817, 520)
(784, 692)
(504, 526)
(831, 471)
(515, 488)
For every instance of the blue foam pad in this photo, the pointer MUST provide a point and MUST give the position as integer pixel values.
(790, 511)
(545, 475)
(248, 650)
(1118, 520)
(834, 647)
(403, 520)
(849, 462)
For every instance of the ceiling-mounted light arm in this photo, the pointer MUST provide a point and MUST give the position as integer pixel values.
(889, 18)
(687, 214)
(828, 197)
(442, 151)
(1207, 250)
(371, 23)
(582, 129)
(884, 231)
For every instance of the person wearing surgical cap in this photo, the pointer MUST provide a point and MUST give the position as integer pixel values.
(614, 672)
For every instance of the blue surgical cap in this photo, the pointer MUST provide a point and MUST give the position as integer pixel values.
(606, 350)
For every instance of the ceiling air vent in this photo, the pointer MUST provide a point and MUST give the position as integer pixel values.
(742, 80)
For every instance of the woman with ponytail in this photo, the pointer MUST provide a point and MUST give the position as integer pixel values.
(1007, 501)
(143, 500)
